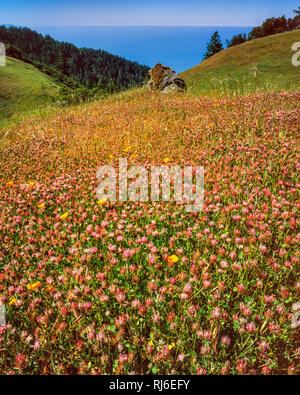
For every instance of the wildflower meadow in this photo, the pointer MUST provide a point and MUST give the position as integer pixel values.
(98, 287)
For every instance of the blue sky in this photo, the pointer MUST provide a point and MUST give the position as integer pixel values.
(142, 12)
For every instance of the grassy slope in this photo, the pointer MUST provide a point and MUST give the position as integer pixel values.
(233, 70)
(24, 88)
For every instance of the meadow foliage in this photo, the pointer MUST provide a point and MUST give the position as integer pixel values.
(92, 287)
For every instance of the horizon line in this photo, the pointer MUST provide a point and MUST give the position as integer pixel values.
(10, 24)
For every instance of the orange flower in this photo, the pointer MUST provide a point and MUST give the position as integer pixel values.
(34, 285)
(9, 183)
(31, 184)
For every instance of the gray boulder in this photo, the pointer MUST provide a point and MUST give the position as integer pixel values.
(163, 78)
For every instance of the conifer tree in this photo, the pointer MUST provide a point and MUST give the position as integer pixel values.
(214, 46)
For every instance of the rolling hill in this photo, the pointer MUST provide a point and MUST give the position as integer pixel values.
(24, 88)
(89, 67)
(258, 65)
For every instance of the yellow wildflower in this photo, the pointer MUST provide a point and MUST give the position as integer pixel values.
(9, 183)
(166, 160)
(41, 205)
(102, 202)
(150, 343)
(127, 149)
(31, 184)
(13, 301)
(173, 259)
(170, 346)
(63, 216)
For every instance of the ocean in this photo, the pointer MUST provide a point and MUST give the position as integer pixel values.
(177, 47)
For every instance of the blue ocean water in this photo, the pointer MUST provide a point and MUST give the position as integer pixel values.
(177, 47)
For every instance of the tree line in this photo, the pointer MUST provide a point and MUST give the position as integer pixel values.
(269, 26)
(90, 68)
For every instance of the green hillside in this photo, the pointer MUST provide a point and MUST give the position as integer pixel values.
(24, 88)
(263, 64)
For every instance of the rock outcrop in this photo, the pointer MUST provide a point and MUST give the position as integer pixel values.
(163, 78)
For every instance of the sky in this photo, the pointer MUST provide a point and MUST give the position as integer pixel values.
(142, 12)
